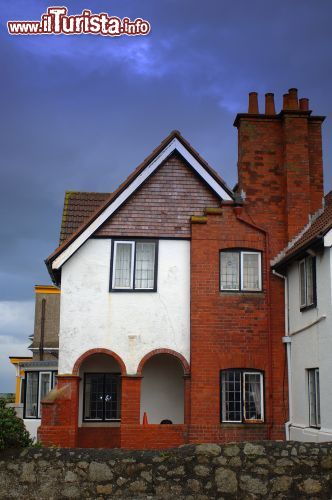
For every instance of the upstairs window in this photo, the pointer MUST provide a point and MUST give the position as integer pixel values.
(240, 270)
(307, 282)
(242, 396)
(134, 265)
(314, 400)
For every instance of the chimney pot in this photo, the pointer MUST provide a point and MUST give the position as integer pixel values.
(292, 100)
(285, 104)
(304, 104)
(253, 103)
(269, 104)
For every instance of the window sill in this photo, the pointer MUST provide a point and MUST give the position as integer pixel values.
(307, 308)
(115, 423)
(242, 425)
(131, 290)
(259, 293)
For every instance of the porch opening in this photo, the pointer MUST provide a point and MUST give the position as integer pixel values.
(100, 390)
(162, 390)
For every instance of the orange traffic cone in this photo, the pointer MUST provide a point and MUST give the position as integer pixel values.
(145, 419)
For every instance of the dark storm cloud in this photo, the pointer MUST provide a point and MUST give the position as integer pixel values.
(81, 112)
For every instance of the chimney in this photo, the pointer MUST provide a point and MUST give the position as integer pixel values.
(269, 104)
(304, 104)
(280, 165)
(292, 100)
(253, 103)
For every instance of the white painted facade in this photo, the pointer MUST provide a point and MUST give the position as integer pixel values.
(310, 334)
(131, 324)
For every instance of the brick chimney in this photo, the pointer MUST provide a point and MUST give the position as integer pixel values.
(280, 165)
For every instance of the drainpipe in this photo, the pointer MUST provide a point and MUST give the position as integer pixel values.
(287, 341)
(42, 331)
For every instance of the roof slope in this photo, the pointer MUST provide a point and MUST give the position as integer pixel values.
(77, 209)
(112, 197)
(318, 226)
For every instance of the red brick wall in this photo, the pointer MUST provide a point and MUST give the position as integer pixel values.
(163, 205)
(153, 436)
(228, 330)
(99, 437)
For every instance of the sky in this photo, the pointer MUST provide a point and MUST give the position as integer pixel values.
(81, 112)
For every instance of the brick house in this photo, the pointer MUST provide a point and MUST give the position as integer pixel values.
(171, 320)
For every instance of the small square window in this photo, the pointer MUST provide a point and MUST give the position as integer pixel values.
(242, 396)
(134, 265)
(240, 270)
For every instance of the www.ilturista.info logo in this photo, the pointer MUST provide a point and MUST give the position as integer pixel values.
(57, 21)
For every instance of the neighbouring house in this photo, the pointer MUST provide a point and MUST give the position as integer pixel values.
(35, 376)
(306, 266)
(171, 319)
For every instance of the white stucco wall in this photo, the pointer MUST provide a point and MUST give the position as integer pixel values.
(130, 324)
(162, 393)
(31, 425)
(311, 348)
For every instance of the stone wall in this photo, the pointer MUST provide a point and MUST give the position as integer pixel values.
(239, 470)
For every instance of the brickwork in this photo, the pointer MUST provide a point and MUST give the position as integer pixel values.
(163, 205)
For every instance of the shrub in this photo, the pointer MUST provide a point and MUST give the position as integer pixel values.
(13, 433)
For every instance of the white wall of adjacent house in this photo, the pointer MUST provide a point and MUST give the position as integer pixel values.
(311, 348)
(129, 323)
(31, 425)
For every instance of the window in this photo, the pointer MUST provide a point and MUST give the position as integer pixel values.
(134, 265)
(307, 282)
(102, 396)
(240, 270)
(314, 400)
(37, 385)
(242, 396)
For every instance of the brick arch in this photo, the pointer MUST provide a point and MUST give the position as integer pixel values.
(87, 354)
(182, 359)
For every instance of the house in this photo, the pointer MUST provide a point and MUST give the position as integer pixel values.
(171, 319)
(35, 376)
(306, 267)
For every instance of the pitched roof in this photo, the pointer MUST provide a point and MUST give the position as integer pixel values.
(173, 141)
(77, 208)
(318, 226)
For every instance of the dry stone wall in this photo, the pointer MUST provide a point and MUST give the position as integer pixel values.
(207, 471)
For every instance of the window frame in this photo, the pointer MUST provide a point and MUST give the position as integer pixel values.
(304, 262)
(316, 402)
(133, 242)
(243, 372)
(52, 374)
(103, 420)
(241, 252)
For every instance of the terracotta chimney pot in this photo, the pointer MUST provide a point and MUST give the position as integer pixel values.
(253, 103)
(269, 104)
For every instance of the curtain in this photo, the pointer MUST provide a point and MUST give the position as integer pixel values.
(229, 270)
(122, 271)
(144, 265)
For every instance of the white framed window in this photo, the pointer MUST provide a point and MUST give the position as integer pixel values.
(307, 279)
(37, 385)
(134, 265)
(242, 396)
(240, 270)
(314, 397)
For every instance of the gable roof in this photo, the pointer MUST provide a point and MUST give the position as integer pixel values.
(173, 142)
(318, 226)
(77, 209)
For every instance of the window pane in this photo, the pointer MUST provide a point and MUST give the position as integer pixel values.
(112, 396)
(302, 283)
(317, 398)
(310, 280)
(231, 396)
(312, 398)
(250, 271)
(123, 265)
(253, 396)
(144, 271)
(229, 270)
(94, 396)
(31, 402)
